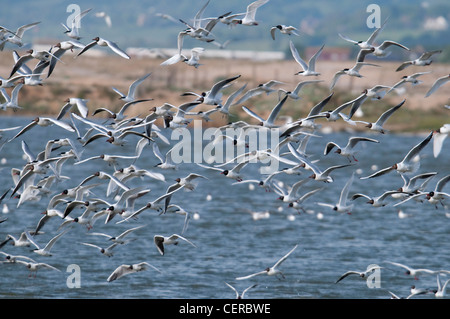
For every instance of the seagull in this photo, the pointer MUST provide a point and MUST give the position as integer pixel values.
(43, 122)
(35, 266)
(423, 60)
(105, 43)
(62, 47)
(348, 151)
(105, 251)
(378, 125)
(214, 95)
(16, 37)
(160, 205)
(123, 270)
(269, 122)
(238, 295)
(380, 51)
(437, 84)
(440, 292)
(408, 164)
(289, 30)
(119, 238)
(166, 161)
(438, 139)
(369, 42)
(271, 271)
(308, 122)
(44, 251)
(131, 94)
(307, 69)
(376, 201)
(13, 258)
(408, 79)
(105, 16)
(22, 241)
(297, 204)
(410, 187)
(234, 173)
(120, 115)
(292, 195)
(73, 31)
(318, 174)
(294, 94)
(363, 274)
(354, 71)
(342, 205)
(160, 241)
(176, 209)
(42, 56)
(13, 100)
(79, 103)
(414, 272)
(250, 15)
(260, 89)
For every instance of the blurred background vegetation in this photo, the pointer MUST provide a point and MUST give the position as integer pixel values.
(418, 24)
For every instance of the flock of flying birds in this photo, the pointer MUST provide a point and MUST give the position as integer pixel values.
(36, 180)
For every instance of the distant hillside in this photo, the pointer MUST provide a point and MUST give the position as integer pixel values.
(134, 23)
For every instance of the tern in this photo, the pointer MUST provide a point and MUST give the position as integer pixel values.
(308, 69)
(241, 295)
(123, 270)
(423, 60)
(348, 151)
(289, 30)
(132, 90)
(161, 241)
(104, 43)
(437, 84)
(271, 271)
(250, 15)
(407, 164)
(362, 274)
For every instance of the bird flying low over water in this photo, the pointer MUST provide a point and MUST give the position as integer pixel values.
(271, 271)
(408, 164)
